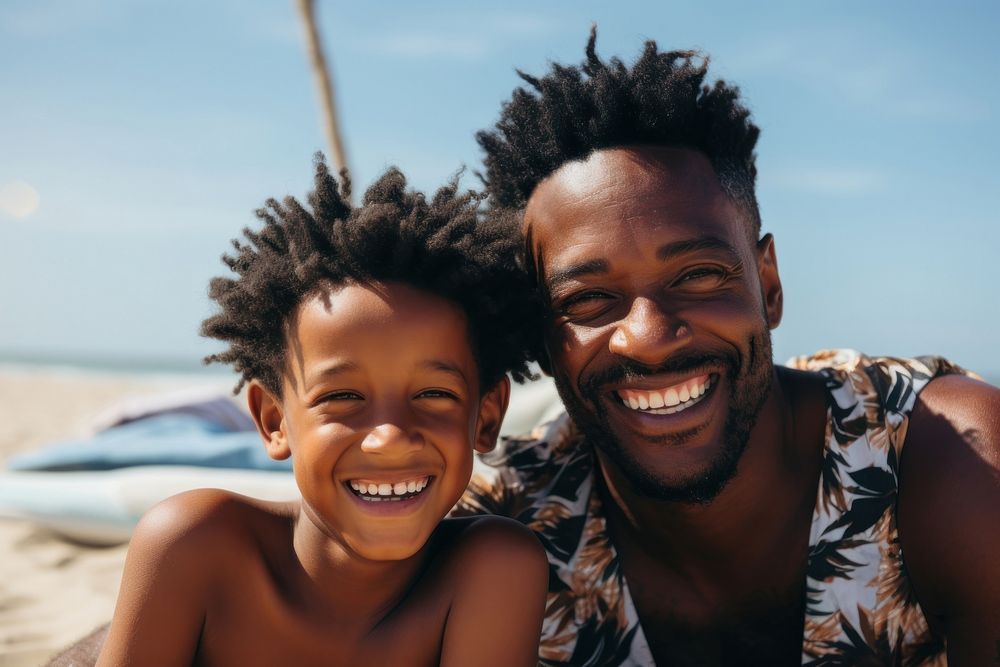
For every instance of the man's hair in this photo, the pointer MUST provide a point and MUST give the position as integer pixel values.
(660, 100)
(444, 246)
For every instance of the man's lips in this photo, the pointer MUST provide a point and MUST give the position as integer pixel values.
(668, 399)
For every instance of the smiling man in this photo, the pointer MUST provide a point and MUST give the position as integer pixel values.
(699, 504)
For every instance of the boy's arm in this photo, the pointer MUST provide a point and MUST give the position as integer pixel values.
(949, 514)
(161, 604)
(496, 615)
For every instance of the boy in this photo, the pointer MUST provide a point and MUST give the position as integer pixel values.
(374, 343)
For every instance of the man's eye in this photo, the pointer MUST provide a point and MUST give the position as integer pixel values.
(582, 299)
(702, 274)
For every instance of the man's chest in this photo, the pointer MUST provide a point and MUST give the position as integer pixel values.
(683, 630)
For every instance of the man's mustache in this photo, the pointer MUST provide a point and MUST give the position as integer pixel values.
(628, 370)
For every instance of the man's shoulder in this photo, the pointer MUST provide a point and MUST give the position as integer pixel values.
(525, 470)
(949, 500)
(890, 384)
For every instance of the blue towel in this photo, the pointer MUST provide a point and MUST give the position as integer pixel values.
(165, 439)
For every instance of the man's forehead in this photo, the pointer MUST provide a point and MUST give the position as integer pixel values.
(626, 192)
(643, 162)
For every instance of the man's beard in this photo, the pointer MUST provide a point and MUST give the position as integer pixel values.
(749, 384)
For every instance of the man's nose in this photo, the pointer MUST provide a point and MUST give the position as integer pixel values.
(392, 438)
(648, 333)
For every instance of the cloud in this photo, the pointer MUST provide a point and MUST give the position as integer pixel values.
(18, 199)
(44, 18)
(889, 80)
(493, 33)
(825, 180)
(423, 45)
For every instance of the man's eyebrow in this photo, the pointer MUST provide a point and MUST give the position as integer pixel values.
(594, 266)
(669, 250)
(664, 252)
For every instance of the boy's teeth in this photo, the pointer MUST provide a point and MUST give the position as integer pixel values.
(386, 490)
(668, 400)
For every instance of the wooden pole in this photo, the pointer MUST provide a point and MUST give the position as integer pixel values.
(324, 84)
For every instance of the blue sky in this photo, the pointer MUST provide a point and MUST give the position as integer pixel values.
(151, 129)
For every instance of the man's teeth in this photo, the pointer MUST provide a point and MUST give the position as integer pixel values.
(667, 401)
(381, 491)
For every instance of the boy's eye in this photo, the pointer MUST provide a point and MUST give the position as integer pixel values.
(438, 393)
(345, 395)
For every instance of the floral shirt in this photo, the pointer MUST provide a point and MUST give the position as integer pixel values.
(859, 606)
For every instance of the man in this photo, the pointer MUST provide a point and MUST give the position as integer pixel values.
(699, 505)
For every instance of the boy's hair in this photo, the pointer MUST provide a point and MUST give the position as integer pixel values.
(445, 246)
(659, 100)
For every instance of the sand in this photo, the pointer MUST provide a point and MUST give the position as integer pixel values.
(52, 591)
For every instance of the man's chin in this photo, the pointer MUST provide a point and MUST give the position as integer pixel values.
(683, 474)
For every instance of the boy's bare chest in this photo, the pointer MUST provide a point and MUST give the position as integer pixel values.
(259, 623)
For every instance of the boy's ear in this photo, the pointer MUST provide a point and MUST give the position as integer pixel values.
(267, 414)
(492, 408)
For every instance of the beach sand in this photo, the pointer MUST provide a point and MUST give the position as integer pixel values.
(53, 591)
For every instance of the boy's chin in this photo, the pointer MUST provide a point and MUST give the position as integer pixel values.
(388, 548)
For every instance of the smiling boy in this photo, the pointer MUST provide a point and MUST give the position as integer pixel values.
(375, 343)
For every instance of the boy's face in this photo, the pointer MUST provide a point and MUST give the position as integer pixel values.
(380, 412)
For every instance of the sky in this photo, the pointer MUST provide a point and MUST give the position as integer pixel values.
(138, 136)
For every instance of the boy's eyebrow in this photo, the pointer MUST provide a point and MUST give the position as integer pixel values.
(335, 368)
(447, 367)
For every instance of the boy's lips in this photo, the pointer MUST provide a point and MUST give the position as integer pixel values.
(377, 490)
(391, 504)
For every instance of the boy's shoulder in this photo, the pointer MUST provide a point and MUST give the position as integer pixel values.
(497, 575)
(211, 528)
(487, 545)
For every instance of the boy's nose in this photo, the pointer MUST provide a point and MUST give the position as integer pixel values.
(390, 440)
(648, 333)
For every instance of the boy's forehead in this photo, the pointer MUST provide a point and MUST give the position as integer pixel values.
(377, 326)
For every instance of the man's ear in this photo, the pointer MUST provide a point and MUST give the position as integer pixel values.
(267, 414)
(543, 361)
(492, 408)
(770, 282)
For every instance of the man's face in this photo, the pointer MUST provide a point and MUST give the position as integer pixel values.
(661, 306)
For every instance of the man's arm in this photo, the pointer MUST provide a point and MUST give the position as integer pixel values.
(496, 615)
(949, 514)
(161, 605)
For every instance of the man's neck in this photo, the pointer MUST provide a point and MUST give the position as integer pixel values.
(767, 500)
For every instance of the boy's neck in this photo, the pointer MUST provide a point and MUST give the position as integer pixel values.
(357, 593)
